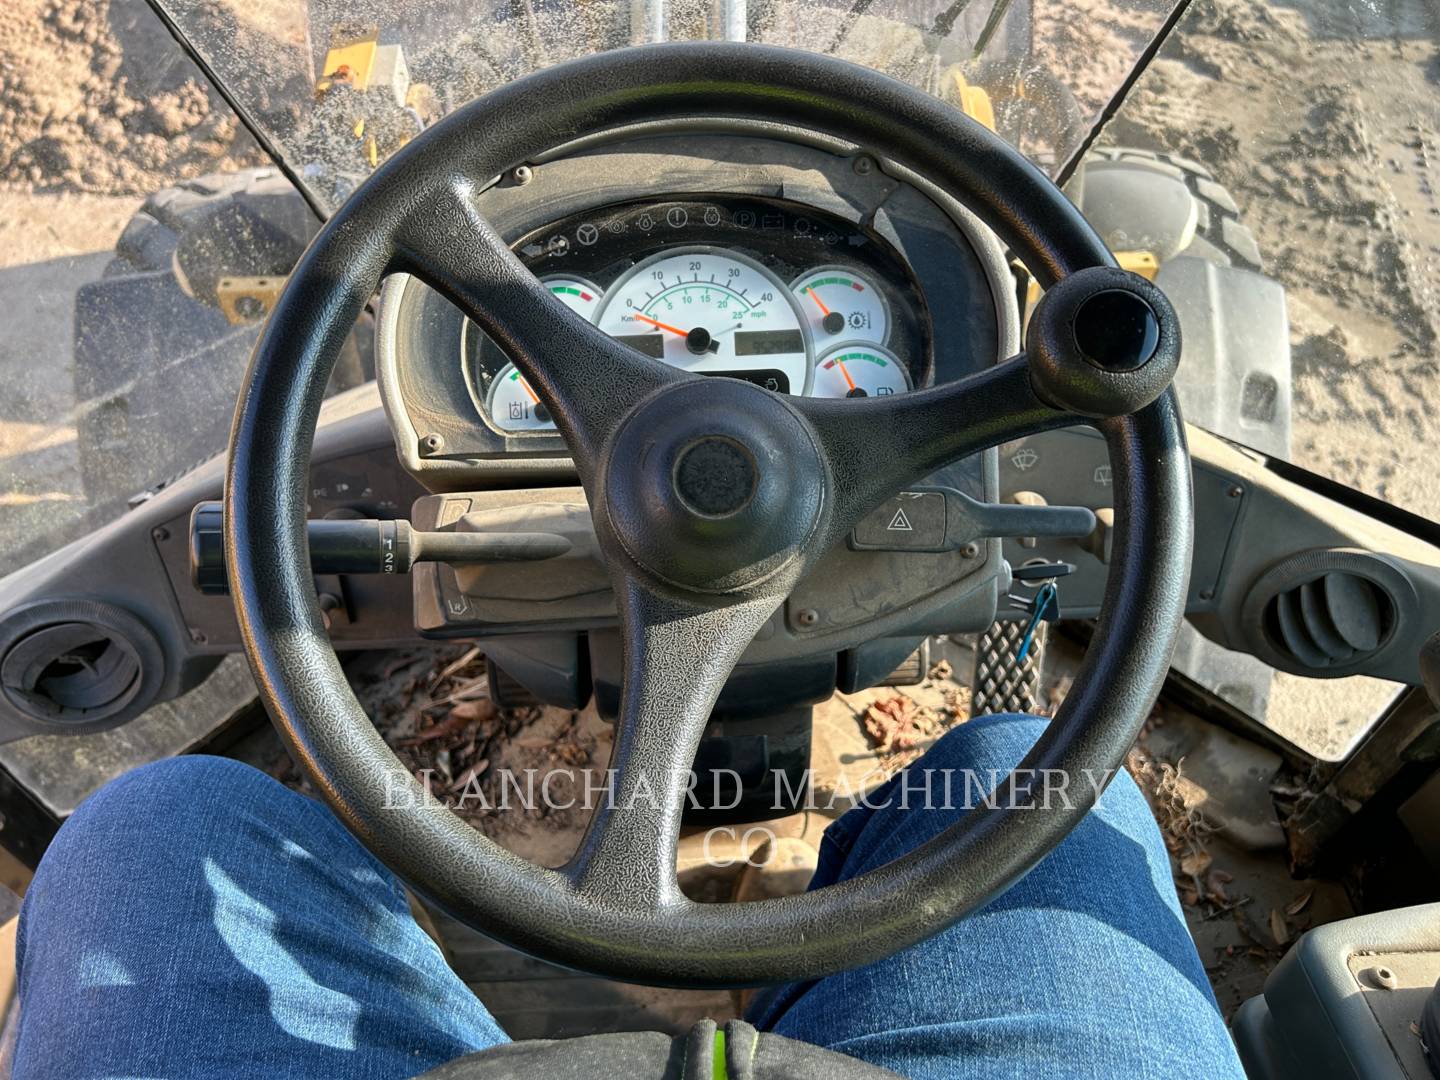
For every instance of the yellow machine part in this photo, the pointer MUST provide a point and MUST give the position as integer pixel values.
(246, 299)
(973, 101)
(350, 58)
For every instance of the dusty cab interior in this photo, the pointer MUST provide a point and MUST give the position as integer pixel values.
(658, 388)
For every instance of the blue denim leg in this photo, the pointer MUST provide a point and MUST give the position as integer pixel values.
(196, 919)
(1084, 968)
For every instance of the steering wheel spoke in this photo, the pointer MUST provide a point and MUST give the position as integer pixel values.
(585, 378)
(876, 446)
(677, 656)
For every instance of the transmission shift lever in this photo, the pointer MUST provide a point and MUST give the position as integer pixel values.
(367, 546)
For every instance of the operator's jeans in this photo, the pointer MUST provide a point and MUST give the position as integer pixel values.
(196, 919)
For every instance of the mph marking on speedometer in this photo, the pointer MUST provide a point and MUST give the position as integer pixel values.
(711, 312)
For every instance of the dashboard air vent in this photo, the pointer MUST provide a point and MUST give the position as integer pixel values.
(1335, 619)
(74, 666)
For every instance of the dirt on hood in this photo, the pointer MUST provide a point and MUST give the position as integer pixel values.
(95, 96)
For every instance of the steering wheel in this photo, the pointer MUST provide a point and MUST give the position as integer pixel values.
(710, 499)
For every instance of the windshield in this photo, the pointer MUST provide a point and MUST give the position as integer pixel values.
(340, 90)
(147, 232)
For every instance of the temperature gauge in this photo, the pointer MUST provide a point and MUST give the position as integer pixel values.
(513, 404)
(577, 294)
(859, 370)
(841, 305)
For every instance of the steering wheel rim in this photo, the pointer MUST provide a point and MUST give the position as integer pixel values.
(616, 909)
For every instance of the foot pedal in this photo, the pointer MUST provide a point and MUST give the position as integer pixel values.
(913, 669)
(1004, 681)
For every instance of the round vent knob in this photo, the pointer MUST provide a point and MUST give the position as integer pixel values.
(1327, 612)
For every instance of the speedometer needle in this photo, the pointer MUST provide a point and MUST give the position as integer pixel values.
(698, 341)
(661, 325)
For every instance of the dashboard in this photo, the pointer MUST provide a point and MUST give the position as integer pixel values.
(785, 259)
(792, 299)
(789, 260)
(730, 249)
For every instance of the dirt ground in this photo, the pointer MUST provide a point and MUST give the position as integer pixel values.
(1323, 120)
(96, 97)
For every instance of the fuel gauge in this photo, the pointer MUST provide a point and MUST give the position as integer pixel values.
(859, 370)
(841, 305)
(511, 402)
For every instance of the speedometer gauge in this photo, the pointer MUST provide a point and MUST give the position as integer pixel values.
(715, 313)
(841, 305)
(860, 370)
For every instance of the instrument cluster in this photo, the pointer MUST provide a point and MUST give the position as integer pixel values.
(790, 298)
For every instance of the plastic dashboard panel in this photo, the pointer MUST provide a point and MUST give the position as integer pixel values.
(942, 251)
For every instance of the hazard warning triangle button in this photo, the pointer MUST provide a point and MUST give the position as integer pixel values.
(912, 520)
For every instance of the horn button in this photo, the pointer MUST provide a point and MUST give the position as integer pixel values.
(714, 485)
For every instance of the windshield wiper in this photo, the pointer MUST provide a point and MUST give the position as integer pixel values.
(946, 20)
(997, 13)
(847, 23)
(1118, 98)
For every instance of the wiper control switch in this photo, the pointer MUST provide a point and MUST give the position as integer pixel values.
(944, 519)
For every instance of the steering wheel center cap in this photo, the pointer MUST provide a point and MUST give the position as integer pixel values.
(714, 485)
(716, 476)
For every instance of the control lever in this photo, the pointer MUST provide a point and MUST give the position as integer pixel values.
(944, 519)
(367, 546)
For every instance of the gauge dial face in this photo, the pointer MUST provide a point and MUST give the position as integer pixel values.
(841, 305)
(513, 404)
(715, 313)
(579, 295)
(859, 369)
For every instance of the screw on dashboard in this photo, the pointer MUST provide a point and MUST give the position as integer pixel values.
(522, 175)
(863, 165)
(432, 444)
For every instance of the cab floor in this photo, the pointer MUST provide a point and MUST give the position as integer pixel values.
(1243, 908)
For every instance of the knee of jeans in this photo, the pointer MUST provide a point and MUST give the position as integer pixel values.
(164, 800)
(996, 743)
